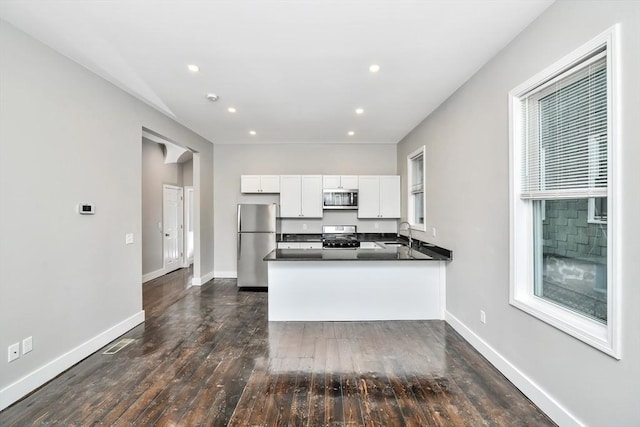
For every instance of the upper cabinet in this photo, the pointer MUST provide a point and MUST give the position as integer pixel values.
(379, 196)
(260, 183)
(347, 182)
(301, 196)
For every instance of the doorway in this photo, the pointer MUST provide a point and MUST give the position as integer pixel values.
(172, 227)
(170, 206)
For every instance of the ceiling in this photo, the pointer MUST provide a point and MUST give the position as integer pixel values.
(294, 70)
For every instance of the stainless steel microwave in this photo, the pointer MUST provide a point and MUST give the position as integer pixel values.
(340, 199)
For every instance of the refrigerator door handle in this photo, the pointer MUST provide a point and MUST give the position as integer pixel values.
(239, 244)
(239, 219)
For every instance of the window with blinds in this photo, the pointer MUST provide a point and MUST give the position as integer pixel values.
(564, 146)
(416, 187)
(563, 194)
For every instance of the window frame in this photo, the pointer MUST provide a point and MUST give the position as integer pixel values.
(592, 217)
(604, 337)
(421, 151)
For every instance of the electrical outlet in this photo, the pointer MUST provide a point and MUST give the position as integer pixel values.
(434, 232)
(128, 239)
(14, 352)
(304, 226)
(483, 317)
(376, 225)
(27, 345)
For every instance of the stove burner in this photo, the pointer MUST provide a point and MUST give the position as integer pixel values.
(339, 237)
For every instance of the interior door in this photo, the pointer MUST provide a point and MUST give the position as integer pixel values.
(172, 227)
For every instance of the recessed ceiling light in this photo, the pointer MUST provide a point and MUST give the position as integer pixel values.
(212, 97)
(359, 111)
(231, 110)
(252, 132)
(193, 68)
(374, 68)
(351, 133)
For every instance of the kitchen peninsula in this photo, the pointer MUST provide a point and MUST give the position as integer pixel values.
(382, 281)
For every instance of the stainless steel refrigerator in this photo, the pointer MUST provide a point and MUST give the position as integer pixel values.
(256, 238)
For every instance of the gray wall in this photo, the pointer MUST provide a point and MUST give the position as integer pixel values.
(231, 161)
(187, 173)
(155, 173)
(68, 136)
(468, 201)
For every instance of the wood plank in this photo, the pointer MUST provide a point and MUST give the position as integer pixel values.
(349, 381)
(317, 406)
(299, 413)
(334, 411)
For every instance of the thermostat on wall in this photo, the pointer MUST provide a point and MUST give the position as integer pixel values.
(86, 209)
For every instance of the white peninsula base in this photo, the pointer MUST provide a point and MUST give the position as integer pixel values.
(357, 291)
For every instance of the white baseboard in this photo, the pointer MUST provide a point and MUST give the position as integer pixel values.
(199, 281)
(225, 274)
(153, 275)
(530, 389)
(25, 385)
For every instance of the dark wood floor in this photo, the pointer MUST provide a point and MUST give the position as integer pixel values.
(208, 356)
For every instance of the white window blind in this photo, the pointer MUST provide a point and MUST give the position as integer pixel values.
(564, 146)
(417, 179)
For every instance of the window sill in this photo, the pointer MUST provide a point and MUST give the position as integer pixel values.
(585, 329)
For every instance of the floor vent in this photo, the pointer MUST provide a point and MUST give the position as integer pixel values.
(118, 346)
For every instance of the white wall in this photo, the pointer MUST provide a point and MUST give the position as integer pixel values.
(231, 161)
(69, 281)
(467, 194)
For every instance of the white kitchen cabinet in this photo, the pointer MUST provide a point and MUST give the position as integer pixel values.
(301, 196)
(390, 196)
(311, 245)
(299, 245)
(260, 184)
(288, 245)
(347, 182)
(379, 196)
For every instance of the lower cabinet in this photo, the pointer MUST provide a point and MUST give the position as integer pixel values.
(301, 196)
(299, 245)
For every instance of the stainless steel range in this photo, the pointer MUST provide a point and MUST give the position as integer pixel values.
(339, 237)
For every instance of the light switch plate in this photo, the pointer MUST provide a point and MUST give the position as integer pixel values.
(27, 345)
(128, 239)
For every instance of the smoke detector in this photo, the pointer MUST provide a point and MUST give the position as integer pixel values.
(212, 97)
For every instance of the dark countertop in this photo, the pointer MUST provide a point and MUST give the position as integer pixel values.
(421, 250)
(309, 237)
(389, 253)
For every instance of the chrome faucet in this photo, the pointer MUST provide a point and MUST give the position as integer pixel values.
(409, 230)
